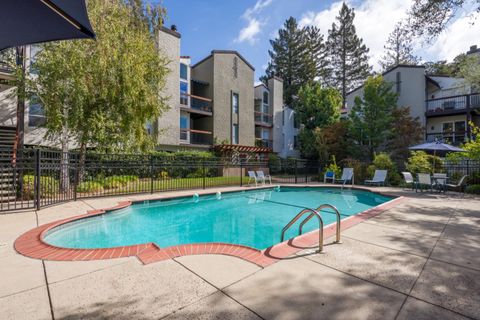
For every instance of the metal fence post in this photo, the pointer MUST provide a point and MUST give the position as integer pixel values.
(37, 179)
(204, 173)
(151, 173)
(295, 170)
(75, 180)
(241, 174)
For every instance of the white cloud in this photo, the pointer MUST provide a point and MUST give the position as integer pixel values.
(254, 23)
(376, 19)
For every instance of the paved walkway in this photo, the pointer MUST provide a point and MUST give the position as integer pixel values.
(419, 260)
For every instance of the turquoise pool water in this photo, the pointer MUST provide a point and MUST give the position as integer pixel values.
(250, 218)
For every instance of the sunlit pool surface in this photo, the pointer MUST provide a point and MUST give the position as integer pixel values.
(251, 218)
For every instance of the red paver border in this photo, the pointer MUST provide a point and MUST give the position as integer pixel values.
(31, 243)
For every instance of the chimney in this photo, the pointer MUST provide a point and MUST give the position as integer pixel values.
(473, 49)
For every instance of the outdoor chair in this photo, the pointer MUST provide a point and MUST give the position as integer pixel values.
(424, 181)
(378, 178)
(407, 176)
(252, 177)
(460, 186)
(329, 175)
(440, 181)
(263, 177)
(347, 176)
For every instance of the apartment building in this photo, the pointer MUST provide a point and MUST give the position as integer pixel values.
(34, 115)
(214, 101)
(444, 105)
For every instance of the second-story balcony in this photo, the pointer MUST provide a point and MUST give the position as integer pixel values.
(196, 137)
(197, 104)
(265, 143)
(451, 137)
(453, 104)
(263, 119)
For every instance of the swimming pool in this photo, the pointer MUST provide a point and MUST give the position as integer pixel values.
(250, 218)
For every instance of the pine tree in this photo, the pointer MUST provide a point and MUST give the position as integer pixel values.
(317, 54)
(348, 56)
(288, 60)
(398, 49)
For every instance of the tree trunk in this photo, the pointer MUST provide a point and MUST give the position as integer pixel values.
(81, 164)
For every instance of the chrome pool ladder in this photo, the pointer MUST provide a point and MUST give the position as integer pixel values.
(314, 213)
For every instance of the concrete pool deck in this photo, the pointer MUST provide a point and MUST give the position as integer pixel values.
(417, 260)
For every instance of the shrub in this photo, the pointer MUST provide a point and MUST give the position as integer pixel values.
(48, 186)
(418, 162)
(89, 186)
(359, 169)
(113, 182)
(333, 167)
(474, 189)
(382, 161)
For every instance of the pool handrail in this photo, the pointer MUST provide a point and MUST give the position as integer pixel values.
(320, 225)
(319, 209)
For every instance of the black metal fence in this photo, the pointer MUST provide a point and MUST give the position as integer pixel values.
(36, 178)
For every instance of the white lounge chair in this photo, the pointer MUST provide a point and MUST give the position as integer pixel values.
(409, 179)
(263, 177)
(347, 176)
(462, 183)
(378, 178)
(252, 177)
(424, 180)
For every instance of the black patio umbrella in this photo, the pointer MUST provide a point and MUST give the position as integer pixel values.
(32, 21)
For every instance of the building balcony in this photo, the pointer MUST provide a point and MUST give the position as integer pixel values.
(265, 143)
(452, 105)
(196, 137)
(196, 104)
(263, 119)
(452, 137)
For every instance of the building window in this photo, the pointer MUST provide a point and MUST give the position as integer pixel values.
(184, 119)
(183, 71)
(36, 113)
(295, 142)
(235, 134)
(184, 93)
(296, 123)
(235, 103)
(283, 117)
(398, 81)
(265, 97)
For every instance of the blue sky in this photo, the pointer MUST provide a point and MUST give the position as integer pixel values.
(247, 26)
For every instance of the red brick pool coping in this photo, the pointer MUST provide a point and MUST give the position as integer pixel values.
(31, 243)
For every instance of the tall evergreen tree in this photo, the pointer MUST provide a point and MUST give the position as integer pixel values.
(288, 59)
(348, 56)
(316, 50)
(398, 49)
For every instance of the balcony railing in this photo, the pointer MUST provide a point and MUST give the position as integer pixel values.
(192, 136)
(453, 137)
(263, 118)
(196, 102)
(453, 103)
(5, 67)
(266, 143)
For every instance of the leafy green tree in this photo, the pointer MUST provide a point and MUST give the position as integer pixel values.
(333, 140)
(471, 147)
(428, 18)
(469, 69)
(348, 56)
(398, 49)
(445, 68)
(317, 106)
(101, 93)
(371, 116)
(406, 131)
(288, 59)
